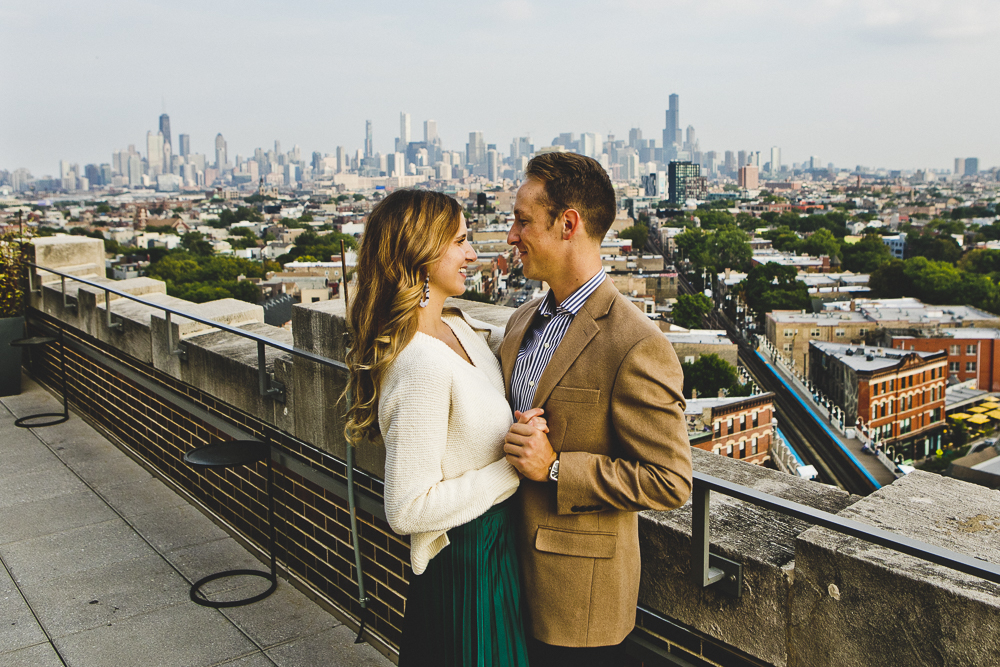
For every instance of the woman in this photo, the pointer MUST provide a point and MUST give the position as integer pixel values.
(427, 379)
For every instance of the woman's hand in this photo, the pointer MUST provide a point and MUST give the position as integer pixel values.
(533, 417)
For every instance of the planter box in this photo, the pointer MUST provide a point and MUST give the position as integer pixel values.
(11, 328)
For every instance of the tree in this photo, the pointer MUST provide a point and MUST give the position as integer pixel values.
(689, 309)
(196, 244)
(771, 287)
(695, 246)
(867, 255)
(820, 242)
(936, 248)
(708, 374)
(782, 239)
(712, 219)
(638, 234)
(730, 248)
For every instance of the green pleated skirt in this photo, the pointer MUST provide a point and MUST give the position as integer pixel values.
(465, 609)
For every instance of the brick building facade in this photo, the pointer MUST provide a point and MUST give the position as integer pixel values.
(895, 396)
(739, 428)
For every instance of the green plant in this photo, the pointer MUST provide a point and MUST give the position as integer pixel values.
(14, 252)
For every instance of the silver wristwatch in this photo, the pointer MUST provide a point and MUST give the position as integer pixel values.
(554, 471)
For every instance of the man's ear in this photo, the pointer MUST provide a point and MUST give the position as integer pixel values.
(572, 224)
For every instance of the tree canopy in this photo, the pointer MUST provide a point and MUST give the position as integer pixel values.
(770, 287)
(689, 308)
(867, 255)
(709, 374)
(638, 235)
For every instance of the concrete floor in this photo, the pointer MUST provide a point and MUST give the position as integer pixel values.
(97, 558)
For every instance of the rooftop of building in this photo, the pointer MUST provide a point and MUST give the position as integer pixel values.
(862, 358)
(695, 406)
(699, 337)
(100, 556)
(825, 318)
(961, 333)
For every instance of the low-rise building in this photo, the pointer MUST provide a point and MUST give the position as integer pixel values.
(973, 353)
(740, 428)
(791, 331)
(689, 344)
(895, 397)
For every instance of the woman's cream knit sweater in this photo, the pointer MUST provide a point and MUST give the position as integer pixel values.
(443, 422)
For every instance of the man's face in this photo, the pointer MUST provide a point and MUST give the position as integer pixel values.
(534, 235)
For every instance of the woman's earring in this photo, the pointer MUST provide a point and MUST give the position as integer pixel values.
(427, 293)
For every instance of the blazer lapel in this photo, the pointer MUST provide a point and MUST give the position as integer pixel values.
(583, 328)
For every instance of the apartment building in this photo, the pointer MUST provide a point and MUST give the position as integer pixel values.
(898, 396)
(739, 428)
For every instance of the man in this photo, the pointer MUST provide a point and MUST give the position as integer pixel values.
(610, 386)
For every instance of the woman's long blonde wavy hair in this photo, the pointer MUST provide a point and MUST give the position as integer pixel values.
(404, 235)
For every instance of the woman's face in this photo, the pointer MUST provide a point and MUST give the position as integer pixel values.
(447, 275)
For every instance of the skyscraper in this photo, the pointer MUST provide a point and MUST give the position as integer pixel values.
(634, 137)
(775, 160)
(185, 147)
(220, 153)
(404, 129)
(971, 166)
(475, 150)
(368, 139)
(685, 182)
(672, 131)
(165, 129)
(154, 152)
(430, 131)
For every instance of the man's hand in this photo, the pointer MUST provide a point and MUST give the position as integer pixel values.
(527, 445)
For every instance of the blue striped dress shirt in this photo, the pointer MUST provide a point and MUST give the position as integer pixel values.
(540, 342)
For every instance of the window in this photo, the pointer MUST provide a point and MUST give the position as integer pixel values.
(729, 450)
(909, 402)
(753, 445)
(729, 425)
(904, 426)
(953, 366)
(839, 333)
(789, 333)
(970, 349)
(755, 420)
(862, 332)
(787, 347)
(970, 366)
(892, 384)
(718, 429)
(814, 333)
(902, 404)
(743, 422)
(743, 449)
(953, 350)
(910, 382)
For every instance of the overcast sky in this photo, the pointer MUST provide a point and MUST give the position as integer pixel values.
(893, 83)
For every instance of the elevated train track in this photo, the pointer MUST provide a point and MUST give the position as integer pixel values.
(809, 438)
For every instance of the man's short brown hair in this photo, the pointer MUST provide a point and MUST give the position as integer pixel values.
(575, 181)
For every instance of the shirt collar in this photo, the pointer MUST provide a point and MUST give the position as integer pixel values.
(575, 301)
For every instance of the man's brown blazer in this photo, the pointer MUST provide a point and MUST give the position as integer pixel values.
(612, 398)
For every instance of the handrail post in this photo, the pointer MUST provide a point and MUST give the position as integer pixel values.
(708, 568)
(107, 312)
(261, 369)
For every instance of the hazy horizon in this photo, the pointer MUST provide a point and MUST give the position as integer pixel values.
(882, 83)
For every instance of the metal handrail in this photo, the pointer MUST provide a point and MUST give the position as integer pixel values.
(727, 575)
(706, 575)
(311, 356)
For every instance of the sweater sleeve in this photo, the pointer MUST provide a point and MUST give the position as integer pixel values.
(414, 412)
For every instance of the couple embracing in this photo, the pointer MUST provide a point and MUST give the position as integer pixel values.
(516, 459)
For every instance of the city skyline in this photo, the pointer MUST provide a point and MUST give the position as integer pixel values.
(872, 83)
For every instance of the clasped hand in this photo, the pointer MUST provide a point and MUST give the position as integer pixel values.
(527, 445)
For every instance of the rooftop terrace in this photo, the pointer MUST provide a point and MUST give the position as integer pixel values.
(156, 387)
